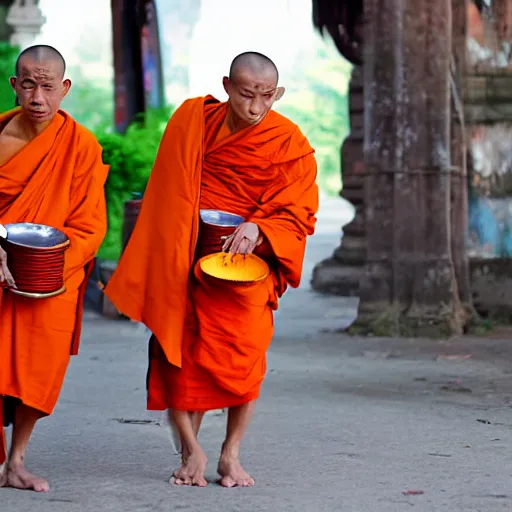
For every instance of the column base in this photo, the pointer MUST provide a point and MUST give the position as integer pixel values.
(334, 277)
(390, 320)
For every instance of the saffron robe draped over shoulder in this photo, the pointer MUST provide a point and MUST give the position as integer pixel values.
(57, 179)
(210, 338)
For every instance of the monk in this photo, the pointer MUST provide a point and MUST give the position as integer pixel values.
(51, 173)
(210, 337)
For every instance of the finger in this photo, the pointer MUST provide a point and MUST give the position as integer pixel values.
(4, 283)
(246, 246)
(250, 248)
(235, 244)
(229, 239)
(227, 243)
(242, 246)
(7, 276)
(10, 281)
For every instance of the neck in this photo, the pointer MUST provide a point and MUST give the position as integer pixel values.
(31, 130)
(233, 122)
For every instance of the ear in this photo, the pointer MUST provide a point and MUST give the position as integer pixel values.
(225, 84)
(279, 93)
(13, 81)
(66, 85)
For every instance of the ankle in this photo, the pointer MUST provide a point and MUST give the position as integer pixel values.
(16, 456)
(230, 450)
(193, 451)
(15, 461)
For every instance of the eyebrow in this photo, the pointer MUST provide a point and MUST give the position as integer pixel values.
(270, 91)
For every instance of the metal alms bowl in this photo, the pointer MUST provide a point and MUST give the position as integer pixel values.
(214, 228)
(34, 236)
(220, 218)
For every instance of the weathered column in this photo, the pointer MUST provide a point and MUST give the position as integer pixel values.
(409, 285)
(26, 19)
(341, 273)
(459, 175)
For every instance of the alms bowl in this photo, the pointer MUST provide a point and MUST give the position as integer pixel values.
(34, 236)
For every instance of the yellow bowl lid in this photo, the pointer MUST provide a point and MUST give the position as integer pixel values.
(240, 268)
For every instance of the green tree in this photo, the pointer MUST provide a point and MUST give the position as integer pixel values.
(8, 56)
(91, 103)
(131, 157)
(317, 102)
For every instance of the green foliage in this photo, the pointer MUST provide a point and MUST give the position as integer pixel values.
(90, 103)
(131, 157)
(8, 56)
(318, 103)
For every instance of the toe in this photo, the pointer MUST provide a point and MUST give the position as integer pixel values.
(177, 481)
(200, 482)
(227, 481)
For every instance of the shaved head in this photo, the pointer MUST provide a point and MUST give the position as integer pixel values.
(39, 83)
(41, 53)
(254, 62)
(252, 89)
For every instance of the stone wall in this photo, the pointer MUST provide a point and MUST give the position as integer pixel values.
(491, 282)
(488, 110)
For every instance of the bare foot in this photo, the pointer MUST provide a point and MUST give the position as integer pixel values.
(191, 471)
(3, 475)
(233, 474)
(19, 478)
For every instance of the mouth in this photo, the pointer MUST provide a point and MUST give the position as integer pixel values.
(36, 113)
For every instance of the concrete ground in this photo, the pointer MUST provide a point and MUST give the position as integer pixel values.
(343, 424)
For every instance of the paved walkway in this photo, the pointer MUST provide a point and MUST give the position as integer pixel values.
(344, 424)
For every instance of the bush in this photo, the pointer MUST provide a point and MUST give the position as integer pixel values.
(8, 56)
(131, 157)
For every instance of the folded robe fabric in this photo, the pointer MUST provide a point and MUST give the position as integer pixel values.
(210, 338)
(58, 180)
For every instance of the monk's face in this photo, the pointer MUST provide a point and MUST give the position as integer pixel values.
(251, 95)
(40, 88)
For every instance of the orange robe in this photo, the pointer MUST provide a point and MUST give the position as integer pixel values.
(210, 338)
(58, 180)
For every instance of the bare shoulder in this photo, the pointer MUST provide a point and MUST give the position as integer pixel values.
(12, 140)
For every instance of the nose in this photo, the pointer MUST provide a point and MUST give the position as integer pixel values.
(255, 108)
(37, 96)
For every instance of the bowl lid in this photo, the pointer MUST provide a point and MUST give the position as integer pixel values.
(220, 218)
(241, 268)
(37, 236)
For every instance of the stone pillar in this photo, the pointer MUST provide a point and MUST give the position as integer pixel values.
(409, 284)
(459, 176)
(26, 19)
(340, 274)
